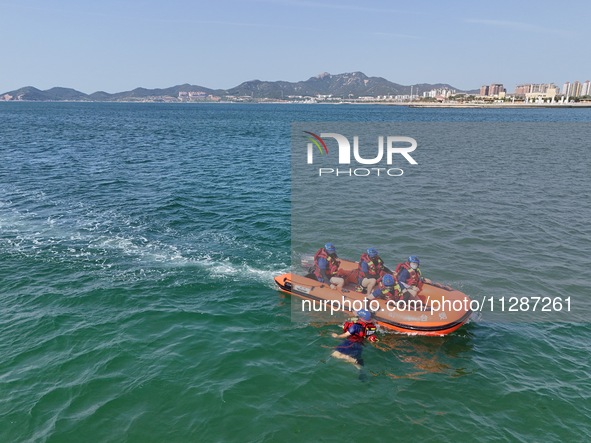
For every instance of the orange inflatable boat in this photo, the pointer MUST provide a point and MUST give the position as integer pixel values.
(441, 310)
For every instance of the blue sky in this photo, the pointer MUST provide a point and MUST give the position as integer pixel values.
(118, 45)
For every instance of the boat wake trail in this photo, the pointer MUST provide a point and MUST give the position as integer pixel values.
(117, 245)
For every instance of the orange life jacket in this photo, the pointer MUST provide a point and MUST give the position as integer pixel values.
(415, 274)
(389, 292)
(333, 264)
(375, 268)
(368, 329)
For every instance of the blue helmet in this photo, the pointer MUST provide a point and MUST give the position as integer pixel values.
(414, 259)
(388, 280)
(364, 315)
(330, 248)
(372, 252)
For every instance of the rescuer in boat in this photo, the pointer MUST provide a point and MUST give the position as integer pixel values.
(409, 277)
(387, 288)
(326, 266)
(371, 268)
(355, 331)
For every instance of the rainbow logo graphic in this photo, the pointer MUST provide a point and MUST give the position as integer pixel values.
(318, 142)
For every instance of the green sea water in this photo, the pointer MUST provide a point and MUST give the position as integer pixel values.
(138, 246)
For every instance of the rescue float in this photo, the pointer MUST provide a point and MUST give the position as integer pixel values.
(442, 311)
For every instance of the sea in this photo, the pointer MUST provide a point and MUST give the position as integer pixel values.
(139, 243)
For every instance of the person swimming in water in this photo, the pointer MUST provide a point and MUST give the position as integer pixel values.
(355, 331)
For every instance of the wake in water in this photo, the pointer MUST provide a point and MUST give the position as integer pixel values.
(109, 242)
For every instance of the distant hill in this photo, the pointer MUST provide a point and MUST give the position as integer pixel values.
(53, 94)
(167, 92)
(30, 93)
(64, 94)
(347, 85)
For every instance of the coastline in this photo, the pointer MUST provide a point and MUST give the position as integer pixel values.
(429, 105)
(500, 105)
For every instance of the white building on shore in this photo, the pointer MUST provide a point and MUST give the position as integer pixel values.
(576, 89)
(439, 93)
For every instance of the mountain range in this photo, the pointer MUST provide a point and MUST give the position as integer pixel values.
(347, 85)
